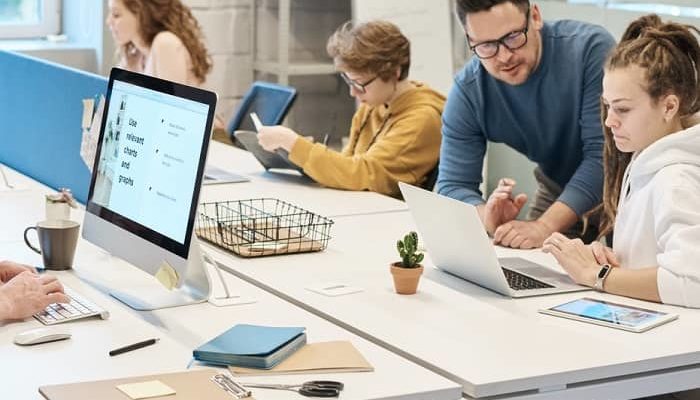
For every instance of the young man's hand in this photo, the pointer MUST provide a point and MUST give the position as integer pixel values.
(275, 137)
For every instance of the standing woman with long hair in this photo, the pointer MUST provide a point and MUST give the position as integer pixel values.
(651, 192)
(160, 38)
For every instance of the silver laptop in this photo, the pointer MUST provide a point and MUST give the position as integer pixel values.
(458, 244)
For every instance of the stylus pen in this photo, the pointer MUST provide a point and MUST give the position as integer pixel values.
(134, 346)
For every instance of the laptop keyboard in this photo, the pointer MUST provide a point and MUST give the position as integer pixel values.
(78, 308)
(518, 281)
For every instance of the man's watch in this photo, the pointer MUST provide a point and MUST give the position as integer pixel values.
(602, 275)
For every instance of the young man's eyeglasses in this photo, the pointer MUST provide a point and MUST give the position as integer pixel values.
(512, 41)
(360, 87)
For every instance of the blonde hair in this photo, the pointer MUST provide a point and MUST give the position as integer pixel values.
(669, 54)
(376, 47)
(156, 16)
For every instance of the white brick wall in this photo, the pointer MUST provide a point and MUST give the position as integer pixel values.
(323, 105)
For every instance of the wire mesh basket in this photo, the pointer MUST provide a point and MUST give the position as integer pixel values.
(262, 227)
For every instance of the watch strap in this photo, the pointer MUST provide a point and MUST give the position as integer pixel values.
(602, 275)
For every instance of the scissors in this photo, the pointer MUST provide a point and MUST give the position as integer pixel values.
(308, 389)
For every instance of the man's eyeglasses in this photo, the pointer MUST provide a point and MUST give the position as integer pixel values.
(360, 87)
(512, 41)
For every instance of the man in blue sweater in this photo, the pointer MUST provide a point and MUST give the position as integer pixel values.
(536, 87)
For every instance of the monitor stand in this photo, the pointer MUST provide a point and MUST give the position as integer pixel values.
(196, 288)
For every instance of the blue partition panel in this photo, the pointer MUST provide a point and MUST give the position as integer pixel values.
(41, 110)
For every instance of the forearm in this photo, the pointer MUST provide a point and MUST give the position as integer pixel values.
(558, 217)
(460, 174)
(462, 151)
(636, 283)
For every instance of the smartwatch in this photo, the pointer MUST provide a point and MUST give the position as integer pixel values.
(602, 275)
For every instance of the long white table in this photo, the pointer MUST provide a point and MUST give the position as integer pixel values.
(292, 188)
(181, 329)
(492, 345)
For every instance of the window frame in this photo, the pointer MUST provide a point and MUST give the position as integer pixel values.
(49, 23)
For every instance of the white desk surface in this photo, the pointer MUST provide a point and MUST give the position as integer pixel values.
(294, 189)
(84, 356)
(491, 344)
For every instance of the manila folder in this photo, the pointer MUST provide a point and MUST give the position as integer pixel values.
(323, 357)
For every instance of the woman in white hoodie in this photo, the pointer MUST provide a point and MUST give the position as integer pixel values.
(652, 171)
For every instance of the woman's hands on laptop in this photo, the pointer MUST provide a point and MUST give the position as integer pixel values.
(582, 262)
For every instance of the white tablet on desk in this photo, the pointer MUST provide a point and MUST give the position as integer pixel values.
(614, 315)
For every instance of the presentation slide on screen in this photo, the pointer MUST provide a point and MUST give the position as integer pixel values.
(149, 156)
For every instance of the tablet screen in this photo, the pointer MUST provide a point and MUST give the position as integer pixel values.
(617, 314)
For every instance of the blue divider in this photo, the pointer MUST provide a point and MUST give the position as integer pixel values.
(41, 112)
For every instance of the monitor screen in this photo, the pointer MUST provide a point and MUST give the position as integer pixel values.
(149, 159)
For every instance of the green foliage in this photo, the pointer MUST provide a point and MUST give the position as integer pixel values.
(407, 250)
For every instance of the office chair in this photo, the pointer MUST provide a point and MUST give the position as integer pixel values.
(269, 100)
(431, 178)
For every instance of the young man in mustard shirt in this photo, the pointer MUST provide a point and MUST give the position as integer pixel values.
(395, 133)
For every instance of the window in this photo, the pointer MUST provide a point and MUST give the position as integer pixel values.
(29, 18)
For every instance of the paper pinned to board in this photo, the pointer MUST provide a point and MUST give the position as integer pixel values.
(145, 390)
(88, 109)
(91, 131)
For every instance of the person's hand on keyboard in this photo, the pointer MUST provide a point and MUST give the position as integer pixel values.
(10, 269)
(28, 293)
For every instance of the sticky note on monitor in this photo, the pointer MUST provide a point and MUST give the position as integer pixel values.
(167, 275)
(146, 390)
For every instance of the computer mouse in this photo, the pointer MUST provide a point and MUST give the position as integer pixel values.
(42, 335)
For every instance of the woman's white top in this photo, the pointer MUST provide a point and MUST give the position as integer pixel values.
(658, 220)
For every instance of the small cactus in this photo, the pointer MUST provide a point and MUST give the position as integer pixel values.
(407, 250)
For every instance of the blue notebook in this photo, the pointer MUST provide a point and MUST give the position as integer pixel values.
(252, 346)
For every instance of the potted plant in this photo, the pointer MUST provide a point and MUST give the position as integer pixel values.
(407, 272)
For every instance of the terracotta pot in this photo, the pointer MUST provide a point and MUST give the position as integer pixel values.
(405, 279)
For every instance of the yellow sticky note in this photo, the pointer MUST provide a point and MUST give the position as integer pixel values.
(167, 275)
(145, 390)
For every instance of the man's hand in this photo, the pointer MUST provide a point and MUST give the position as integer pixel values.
(272, 138)
(28, 293)
(9, 270)
(574, 256)
(502, 207)
(522, 234)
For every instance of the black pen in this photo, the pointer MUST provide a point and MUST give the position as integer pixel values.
(134, 346)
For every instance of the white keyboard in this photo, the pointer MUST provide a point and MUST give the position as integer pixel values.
(78, 308)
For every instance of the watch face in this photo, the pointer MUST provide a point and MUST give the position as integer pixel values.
(603, 271)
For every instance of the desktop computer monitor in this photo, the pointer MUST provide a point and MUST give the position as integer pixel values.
(146, 181)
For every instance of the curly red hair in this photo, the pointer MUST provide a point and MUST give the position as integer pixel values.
(156, 16)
